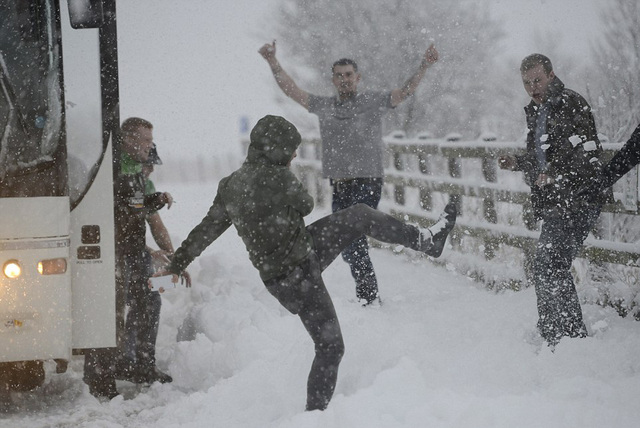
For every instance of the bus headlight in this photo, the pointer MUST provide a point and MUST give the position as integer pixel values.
(52, 266)
(12, 269)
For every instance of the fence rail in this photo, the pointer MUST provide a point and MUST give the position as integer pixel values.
(466, 172)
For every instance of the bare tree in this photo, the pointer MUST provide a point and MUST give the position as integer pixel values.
(387, 39)
(617, 93)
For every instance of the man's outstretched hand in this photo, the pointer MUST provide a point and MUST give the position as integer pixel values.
(184, 276)
(268, 51)
(430, 56)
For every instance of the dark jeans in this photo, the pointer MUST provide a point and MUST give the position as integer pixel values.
(303, 291)
(347, 193)
(141, 327)
(143, 317)
(560, 241)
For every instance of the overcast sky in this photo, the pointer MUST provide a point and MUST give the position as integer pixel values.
(573, 24)
(192, 67)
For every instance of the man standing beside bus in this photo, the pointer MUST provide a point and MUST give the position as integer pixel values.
(131, 209)
(138, 361)
(352, 148)
(562, 155)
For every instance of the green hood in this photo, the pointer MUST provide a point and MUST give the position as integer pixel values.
(273, 140)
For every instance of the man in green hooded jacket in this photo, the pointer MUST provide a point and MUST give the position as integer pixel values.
(267, 204)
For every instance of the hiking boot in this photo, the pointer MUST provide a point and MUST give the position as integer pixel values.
(432, 240)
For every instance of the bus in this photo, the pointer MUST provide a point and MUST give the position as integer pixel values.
(59, 118)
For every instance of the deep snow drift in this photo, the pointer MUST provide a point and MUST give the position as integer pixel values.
(441, 352)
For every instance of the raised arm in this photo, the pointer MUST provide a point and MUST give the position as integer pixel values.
(400, 94)
(286, 83)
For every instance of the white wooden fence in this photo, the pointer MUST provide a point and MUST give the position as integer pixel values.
(422, 174)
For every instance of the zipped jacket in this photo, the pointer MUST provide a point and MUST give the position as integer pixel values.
(573, 151)
(264, 201)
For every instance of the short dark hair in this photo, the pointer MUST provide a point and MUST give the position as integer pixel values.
(535, 60)
(344, 61)
(131, 125)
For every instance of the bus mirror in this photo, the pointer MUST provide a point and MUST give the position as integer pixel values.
(85, 13)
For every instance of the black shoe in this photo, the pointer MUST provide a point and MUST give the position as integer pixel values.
(432, 240)
(103, 389)
(160, 376)
(148, 375)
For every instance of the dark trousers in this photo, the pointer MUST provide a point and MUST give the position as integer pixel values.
(303, 291)
(141, 326)
(560, 241)
(347, 193)
(143, 317)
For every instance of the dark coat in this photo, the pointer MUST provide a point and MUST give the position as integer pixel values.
(264, 201)
(573, 155)
(131, 209)
(623, 161)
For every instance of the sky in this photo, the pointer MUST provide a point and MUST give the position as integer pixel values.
(192, 67)
(573, 24)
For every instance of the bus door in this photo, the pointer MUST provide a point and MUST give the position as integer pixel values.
(89, 159)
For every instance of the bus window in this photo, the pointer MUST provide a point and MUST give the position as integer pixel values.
(83, 103)
(31, 97)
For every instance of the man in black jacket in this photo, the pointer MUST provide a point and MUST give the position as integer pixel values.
(131, 208)
(562, 154)
(267, 204)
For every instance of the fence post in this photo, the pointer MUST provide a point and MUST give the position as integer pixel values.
(455, 171)
(426, 202)
(490, 173)
(398, 164)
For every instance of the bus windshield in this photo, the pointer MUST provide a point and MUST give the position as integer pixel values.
(30, 87)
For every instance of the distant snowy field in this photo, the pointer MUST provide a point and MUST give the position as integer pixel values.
(441, 352)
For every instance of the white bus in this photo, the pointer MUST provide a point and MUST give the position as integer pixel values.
(58, 120)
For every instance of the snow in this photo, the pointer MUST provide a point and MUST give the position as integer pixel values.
(441, 351)
(590, 146)
(575, 140)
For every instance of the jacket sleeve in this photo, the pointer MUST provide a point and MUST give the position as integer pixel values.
(295, 195)
(623, 161)
(154, 202)
(214, 224)
(578, 156)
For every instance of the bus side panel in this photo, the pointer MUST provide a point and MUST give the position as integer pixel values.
(35, 308)
(93, 263)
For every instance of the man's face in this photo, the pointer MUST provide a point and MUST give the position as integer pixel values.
(139, 144)
(345, 79)
(536, 82)
(295, 155)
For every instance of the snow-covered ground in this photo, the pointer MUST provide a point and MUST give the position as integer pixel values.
(441, 352)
